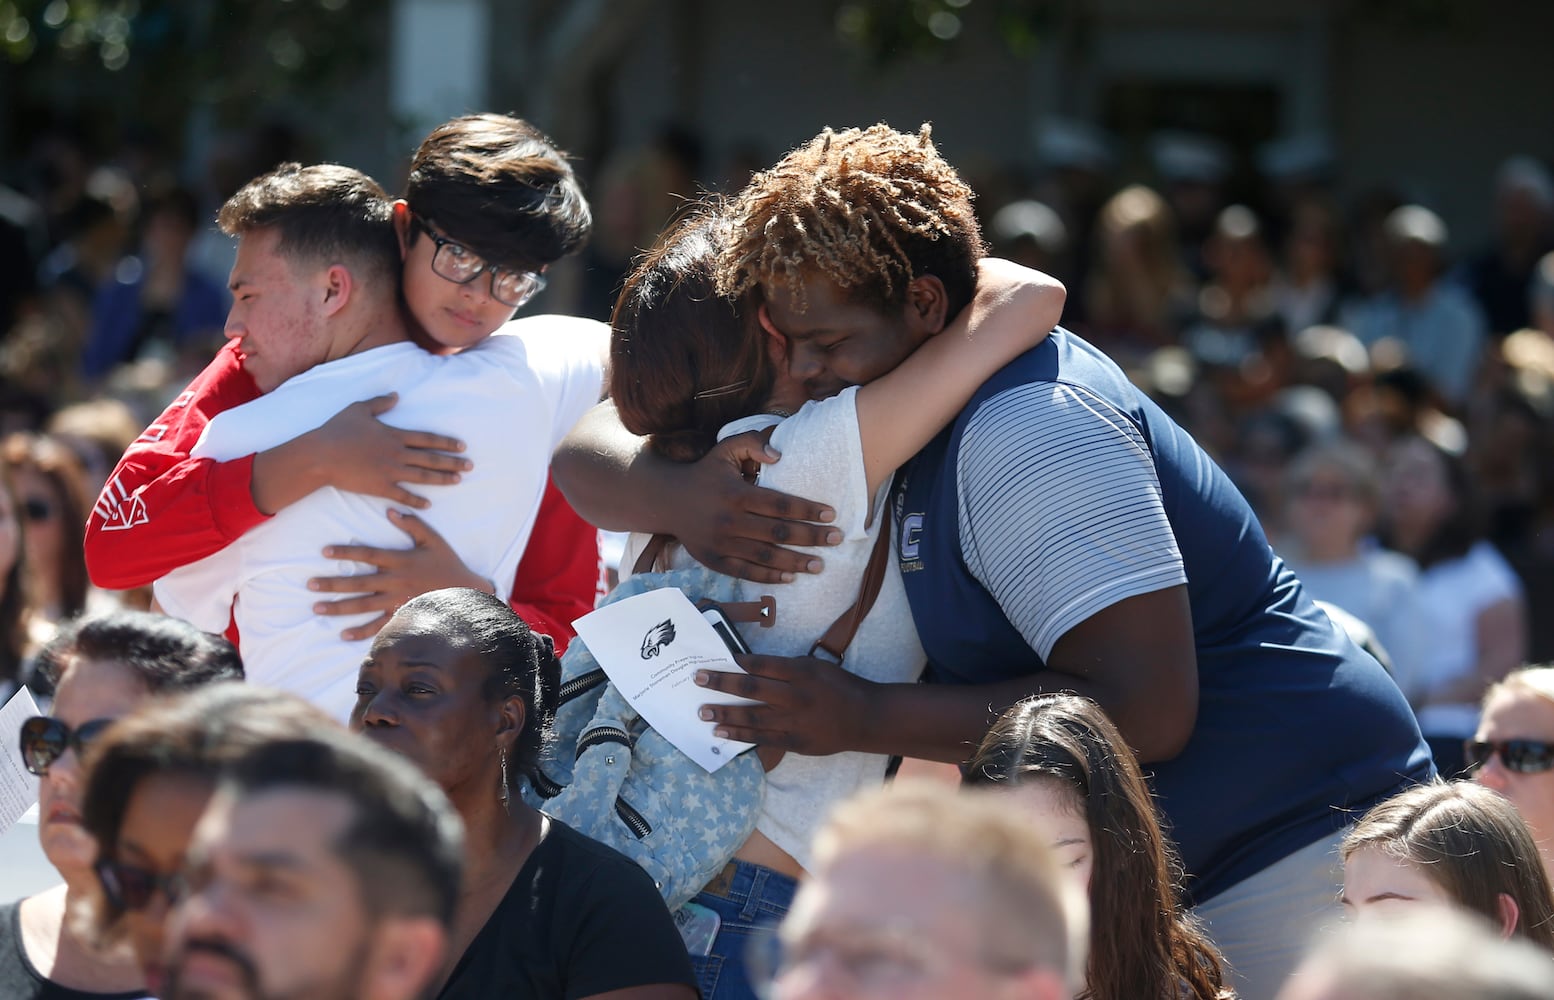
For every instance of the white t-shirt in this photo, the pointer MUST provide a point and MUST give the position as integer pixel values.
(510, 399)
(1452, 594)
(1381, 588)
(822, 460)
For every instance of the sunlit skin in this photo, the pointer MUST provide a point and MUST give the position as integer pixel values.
(453, 316)
(834, 342)
(1515, 712)
(272, 910)
(1376, 884)
(421, 693)
(159, 820)
(891, 923)
(1054, 807)
(89, 690)
(275, 315)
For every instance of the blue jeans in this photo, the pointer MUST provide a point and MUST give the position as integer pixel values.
(745, 897)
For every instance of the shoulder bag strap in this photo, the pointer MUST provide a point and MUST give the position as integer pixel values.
(840, 635)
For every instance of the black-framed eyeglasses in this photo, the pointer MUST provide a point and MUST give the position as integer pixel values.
(130, 887)
(1521, 756)
(457, 263)
(44, 740)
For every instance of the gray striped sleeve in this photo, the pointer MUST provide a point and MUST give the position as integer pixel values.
(1060, 509)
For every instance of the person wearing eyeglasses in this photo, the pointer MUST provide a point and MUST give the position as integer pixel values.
(102, 669)
(149, 779)
(501, 204)
(316, 319)
(1448, 844)
(1513, 750)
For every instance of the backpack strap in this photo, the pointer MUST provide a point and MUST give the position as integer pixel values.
(647, 561)
(840, 635)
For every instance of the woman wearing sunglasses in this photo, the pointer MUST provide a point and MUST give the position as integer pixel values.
(1454, 844)
(101, 669)
(51, 498)
(1513, 750)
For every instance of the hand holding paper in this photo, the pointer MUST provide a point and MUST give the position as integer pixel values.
(650, 647)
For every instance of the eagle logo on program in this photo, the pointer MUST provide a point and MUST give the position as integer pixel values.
(657, 638)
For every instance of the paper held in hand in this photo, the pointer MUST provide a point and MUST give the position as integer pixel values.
(650, 647)
(18, 787)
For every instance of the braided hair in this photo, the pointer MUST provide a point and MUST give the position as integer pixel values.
(871, 209)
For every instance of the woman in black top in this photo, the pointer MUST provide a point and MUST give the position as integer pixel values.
(458, 683)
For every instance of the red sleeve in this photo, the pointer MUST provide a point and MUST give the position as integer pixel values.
(161, 509)
(558, 576)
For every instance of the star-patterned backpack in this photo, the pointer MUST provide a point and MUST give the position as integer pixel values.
(612, 777)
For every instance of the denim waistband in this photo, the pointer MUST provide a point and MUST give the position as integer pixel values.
(743, 882)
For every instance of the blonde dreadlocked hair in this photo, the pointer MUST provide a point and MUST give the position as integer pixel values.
(871, 209)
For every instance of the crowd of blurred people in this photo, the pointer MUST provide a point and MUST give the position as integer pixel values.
(1385, 406)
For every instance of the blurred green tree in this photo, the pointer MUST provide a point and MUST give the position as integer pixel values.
(153, 62)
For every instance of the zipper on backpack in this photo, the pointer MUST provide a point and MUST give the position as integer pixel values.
(580, 685)
(635, 822)
(603, 734)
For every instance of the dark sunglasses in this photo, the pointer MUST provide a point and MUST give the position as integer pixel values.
(130, 888)
(37, 510)
(1521, 756)
(45, 740)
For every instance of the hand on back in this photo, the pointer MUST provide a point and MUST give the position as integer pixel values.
(359, 453)
(733, 526)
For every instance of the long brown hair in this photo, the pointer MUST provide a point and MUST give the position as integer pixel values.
(1470, 841)
(682, 361)
(55, 462)
(1143, 944)
(13, 601)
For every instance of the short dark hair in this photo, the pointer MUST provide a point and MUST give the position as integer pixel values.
(325, 214)
(682, 362)
(166, 654)
(194, 736)
(497, 185)
(404, 841)
(871, 209)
